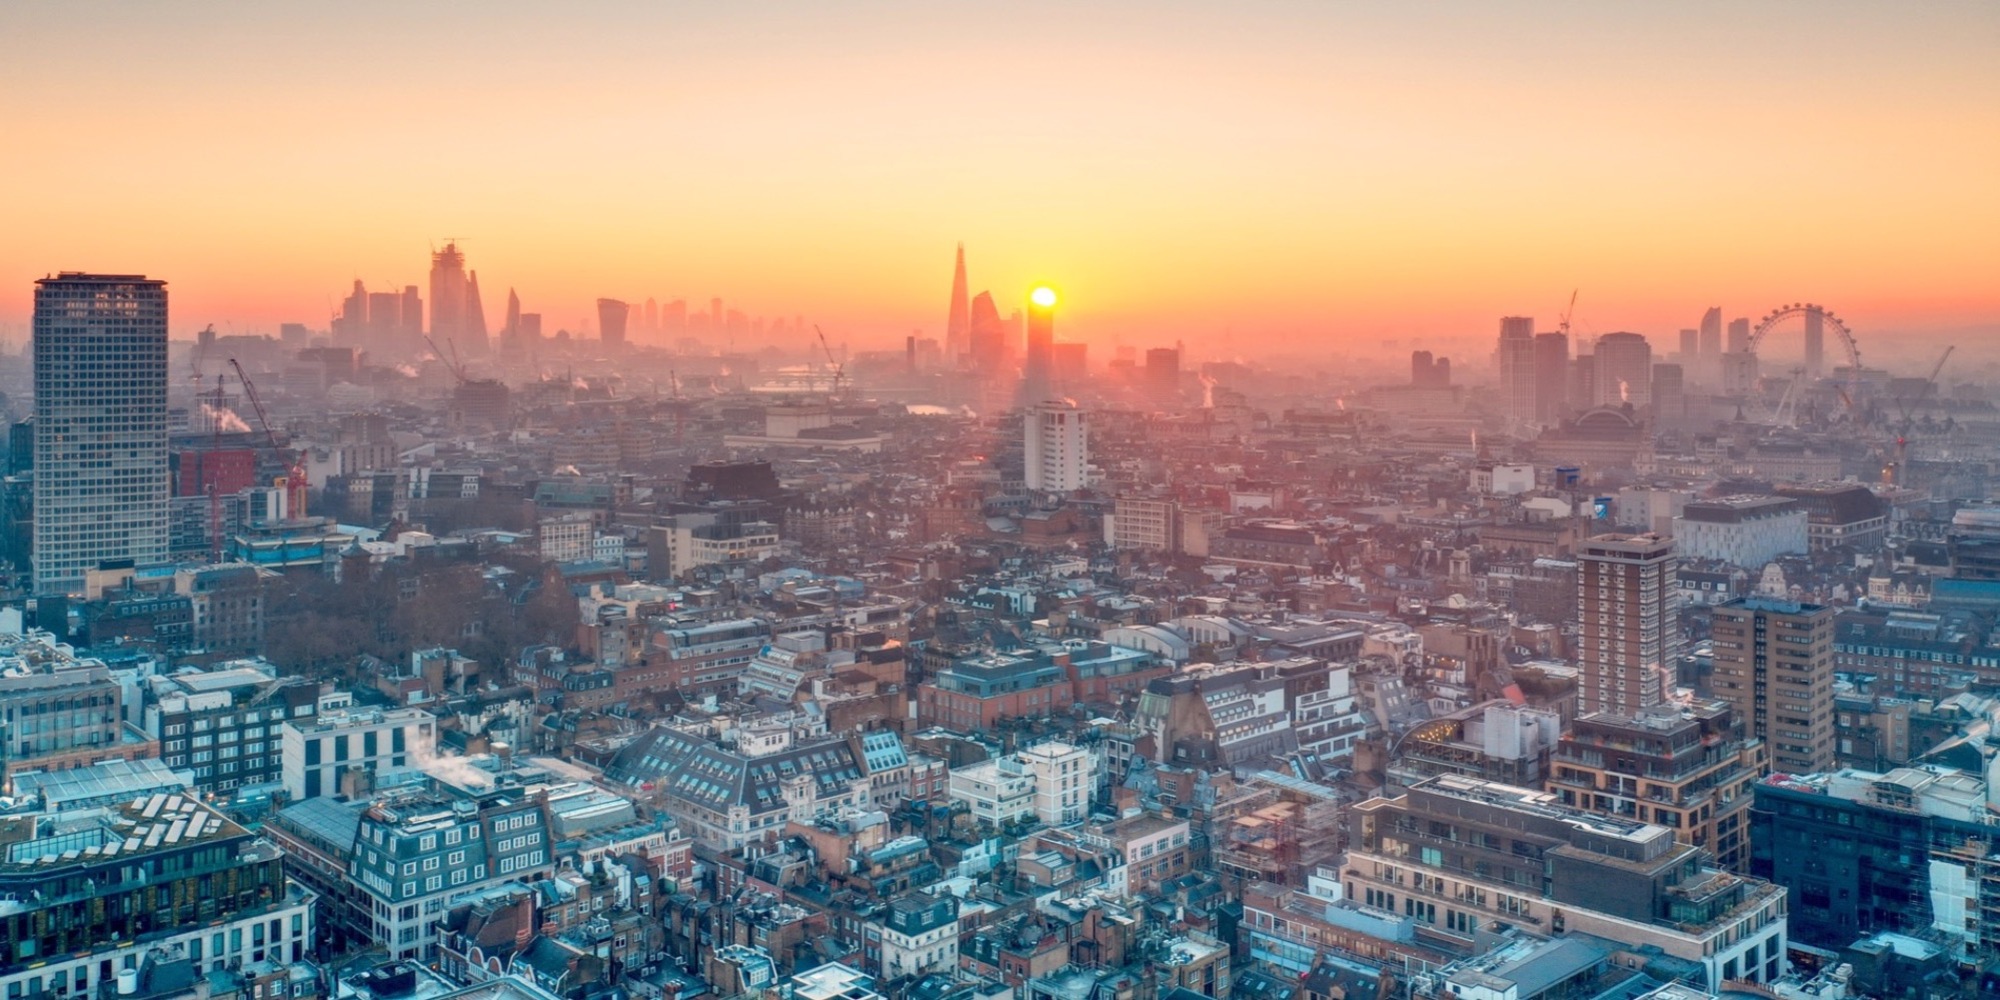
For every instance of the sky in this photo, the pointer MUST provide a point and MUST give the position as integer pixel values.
(1243, 176)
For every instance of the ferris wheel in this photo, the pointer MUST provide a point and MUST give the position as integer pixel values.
(1829, 323)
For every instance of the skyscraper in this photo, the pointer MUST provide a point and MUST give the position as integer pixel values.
(1517, 370)
(510, 332)
(1038, 370)
(1055, 447)
(1815, 341)
(988, 344)
(652, 315)
(1774, 664)
(1628, 598)
(1669, 395)
(1739, 336)
(1551, 377)
(448, 295)
(1163, 377)
(472, 328)
(958, 324)
(611, 316)
(1690, 346)
(101, 477)
(1624, 370)
(1709, 368)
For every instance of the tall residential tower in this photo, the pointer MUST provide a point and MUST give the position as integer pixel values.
(1628, 602)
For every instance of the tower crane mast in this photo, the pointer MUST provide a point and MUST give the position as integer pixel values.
(295, 474)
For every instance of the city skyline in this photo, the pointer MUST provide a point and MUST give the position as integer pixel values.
(1239, 177)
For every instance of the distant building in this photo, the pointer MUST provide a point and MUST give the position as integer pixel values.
(611, 317)
(1840, 515)
(1518, 370)
(1624, 370)
(1741, 531)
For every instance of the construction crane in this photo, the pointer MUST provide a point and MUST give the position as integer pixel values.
(1563, 327)
(295, 475)
(1906, 405)
(451, 364)
(214, 478)
(839, 369)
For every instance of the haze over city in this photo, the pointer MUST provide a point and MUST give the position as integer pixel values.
(1240, 177)
(1108, 500)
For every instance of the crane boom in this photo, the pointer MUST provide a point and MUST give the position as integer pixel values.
(839, 370)
(295, 473)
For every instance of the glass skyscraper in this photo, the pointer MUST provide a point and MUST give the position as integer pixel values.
(101, 479)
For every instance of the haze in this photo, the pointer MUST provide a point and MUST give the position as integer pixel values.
(1239, 176)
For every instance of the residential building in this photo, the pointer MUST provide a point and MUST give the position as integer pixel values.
(1462, 855)
(102, 481)
(1056, 457)
(1687, 769)
(1774, 665)
(1629, 610)
(919, 935)
(1051, 783)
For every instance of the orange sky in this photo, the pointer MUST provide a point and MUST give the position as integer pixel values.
(1232, 174)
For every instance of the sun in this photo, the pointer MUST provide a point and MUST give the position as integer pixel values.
(1043, 296)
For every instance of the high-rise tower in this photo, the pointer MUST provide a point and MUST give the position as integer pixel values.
(447, 291)
(1517, 370)
(1038, 370)
(1055, 446)
(958, 325)
(510, 334)
(101, 478)
(1551, 377)
(1628, 600)
(611, 317)
(1708, 367)
(1624, 370)
(1774, 664)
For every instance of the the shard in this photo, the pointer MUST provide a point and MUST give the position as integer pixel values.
(958, 328)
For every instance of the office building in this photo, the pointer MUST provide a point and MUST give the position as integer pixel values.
(1163, 378)
(1907, 851)
(1629, 607)
(61, 711)
(1815, 341)
(458, 321)
(1462, 856)
(224, 725)
(1739, 337)
(1518, 402)
(1689, 769)
(1624, 370)
(611, 317)
(318, 753)
(1774, 665)
(1747, 531)
(1840, 515)
(1690, 347)
(1051, 783)
(1552, 377)
(102, 482)
(1709, 349)
(1669, 397)
(85, 898)
(1056, 452)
